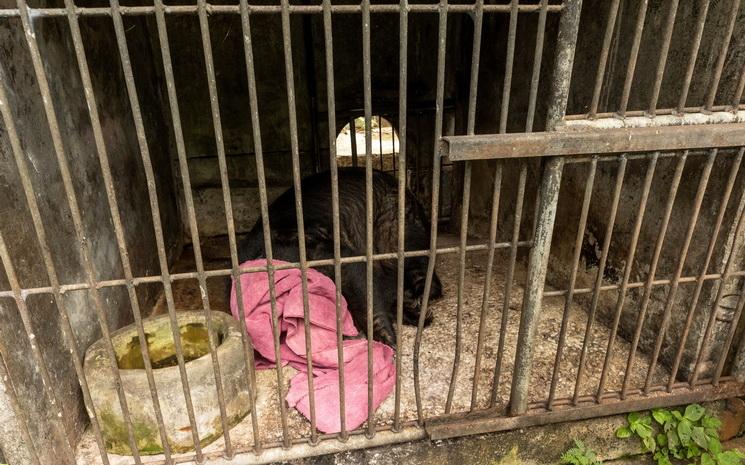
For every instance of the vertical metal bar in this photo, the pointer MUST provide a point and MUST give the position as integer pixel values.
(664, 52)
(290, 79)
(730, 338)
(537, 59)
(227, 201)
(369, 263)
(152, 192)
(478, 20)
(403, 64)
(508, 281)
(653, 269)
(631, 67)
(41, 237)
(739, 91)
(549, 197)
(722, 55)
(670, 302)
(495, 199)
(10, 392)
(510, 61)
(695, 45)
(599, 279)
(331, 110)
(436, 161)
(67, 452)
(465, 203)
(579, 239)
(353, 140)
(266, 231)
(731, 258)
(380, 141)
(723, 203)
(604, 51)
(186, 182)
(115, 215)
(648, 178)
(87, 255)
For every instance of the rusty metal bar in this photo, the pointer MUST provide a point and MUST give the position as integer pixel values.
(478, 21)
(608, 235)
(452, 426)
(10, 392)
(436, 160)
(227, 201)
(722, 54)
(724, 202)
(695, 45)
(466, 199)
(85, 246)
(721, 116)
(707, 340)
(353, 140)
(264, 208)
(549, 196)
(495, 199)
(537, 60)
(380, 141)
(604, 51)
(41, 237)
(653, 269)
(367, 97)
(648, 178)
(296, 182)
(67, 451)
(631, 66)
(509, 281)
(213, 9)
(189, 201)
(579, 239)
(730, 337)
(604, 116)
(664, 53)
(403, 65)
(612, 140)
(331, 107)
(116, 217)
(670, 302)
(740, 89)
(64, 288)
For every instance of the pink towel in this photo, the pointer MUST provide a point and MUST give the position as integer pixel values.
(321, 301)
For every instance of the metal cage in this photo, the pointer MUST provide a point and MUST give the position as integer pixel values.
(628, 145)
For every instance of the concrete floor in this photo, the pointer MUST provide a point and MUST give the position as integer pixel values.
(437, 353)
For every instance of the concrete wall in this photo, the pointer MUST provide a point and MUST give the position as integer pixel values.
(25, 103)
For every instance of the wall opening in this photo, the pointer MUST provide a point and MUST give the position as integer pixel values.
(351, 149)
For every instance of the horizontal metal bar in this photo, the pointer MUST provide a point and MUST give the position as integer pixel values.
(657, 282)
(659, 112)
(268, 9)
(592, 142)
(227, 272)
(448, 427)
(643, 121)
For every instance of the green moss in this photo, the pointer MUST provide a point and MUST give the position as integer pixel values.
(194, 342)
(116, 436)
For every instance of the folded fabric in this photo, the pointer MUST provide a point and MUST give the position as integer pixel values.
(323, 338)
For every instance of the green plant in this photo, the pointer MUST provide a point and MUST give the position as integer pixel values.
(691, 435)
(579, 455)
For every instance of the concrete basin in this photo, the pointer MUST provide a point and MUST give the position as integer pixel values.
(201, 376)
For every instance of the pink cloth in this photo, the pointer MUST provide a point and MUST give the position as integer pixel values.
(322, 305)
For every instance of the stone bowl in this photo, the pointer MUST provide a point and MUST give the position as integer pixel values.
(201, 377)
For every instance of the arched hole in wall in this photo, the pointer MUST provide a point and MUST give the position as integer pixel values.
(351, 149)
